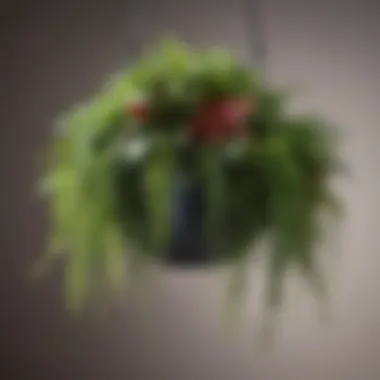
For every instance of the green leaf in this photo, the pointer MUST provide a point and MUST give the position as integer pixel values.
(159, 181)
(214, 182)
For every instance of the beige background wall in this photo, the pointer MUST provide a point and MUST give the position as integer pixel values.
(54, 54)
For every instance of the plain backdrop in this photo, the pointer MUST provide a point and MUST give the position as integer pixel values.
(56, 53)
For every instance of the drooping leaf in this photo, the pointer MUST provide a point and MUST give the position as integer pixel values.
(159, 178)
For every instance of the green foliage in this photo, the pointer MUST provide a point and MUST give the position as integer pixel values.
(78, 184)
(104, 201)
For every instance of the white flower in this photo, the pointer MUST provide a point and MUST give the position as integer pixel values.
(136, 149)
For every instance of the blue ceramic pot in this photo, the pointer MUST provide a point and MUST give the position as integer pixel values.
(188, 245)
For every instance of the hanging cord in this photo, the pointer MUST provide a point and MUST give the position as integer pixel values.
(254, 18)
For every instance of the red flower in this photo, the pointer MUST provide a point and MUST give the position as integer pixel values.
(218, 120)
(140, 111)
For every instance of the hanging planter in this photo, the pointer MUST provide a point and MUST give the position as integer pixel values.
(188, 159)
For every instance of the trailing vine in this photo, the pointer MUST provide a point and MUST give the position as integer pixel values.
(112, 164)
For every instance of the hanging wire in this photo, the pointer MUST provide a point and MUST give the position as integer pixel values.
(254, 18)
